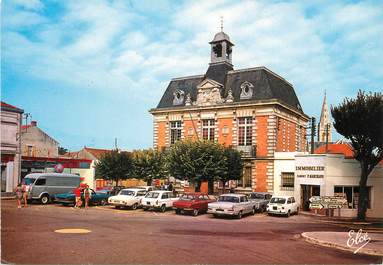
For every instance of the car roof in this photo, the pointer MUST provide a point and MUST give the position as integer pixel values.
(257, 192)
(134, 189)
(233, 194)
(37, 175)
(282, 196)
(161, 191)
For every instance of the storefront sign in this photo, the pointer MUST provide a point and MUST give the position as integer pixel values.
(327, 202)
(310, 167)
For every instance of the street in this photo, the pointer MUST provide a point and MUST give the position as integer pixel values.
(126, 236)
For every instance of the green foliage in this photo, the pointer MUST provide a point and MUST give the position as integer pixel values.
(62, 150)
(115, 166)
(361, 121)
(196, 160)
(149, 164)
(204, 161)
(234, 165)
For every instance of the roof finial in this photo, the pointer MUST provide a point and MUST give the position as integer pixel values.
(221, 23)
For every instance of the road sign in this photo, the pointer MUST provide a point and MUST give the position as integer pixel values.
(327, 202)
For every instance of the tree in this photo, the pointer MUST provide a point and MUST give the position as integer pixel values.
(197, 161)
(149, 164)
(233, 167)
(115, 166)
(62, 150)
(360, 120)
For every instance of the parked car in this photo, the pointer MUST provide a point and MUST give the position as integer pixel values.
(147, 188)
(261, 199)
(192, 202)
(159, 199)
(232, 205)
(285, 205)
(128, 198)
(43, 186)
(96, 198)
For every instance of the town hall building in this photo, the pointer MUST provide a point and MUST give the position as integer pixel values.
(253, 110)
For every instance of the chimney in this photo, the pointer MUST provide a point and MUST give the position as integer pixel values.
(33, 123)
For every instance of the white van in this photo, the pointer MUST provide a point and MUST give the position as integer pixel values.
(43, 186)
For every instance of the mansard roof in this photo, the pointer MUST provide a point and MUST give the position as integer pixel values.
(266, 84)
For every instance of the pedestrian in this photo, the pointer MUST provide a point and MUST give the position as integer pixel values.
(77, 194)
(86, 196)
(170, 186)
(19, 195)
(25, 194)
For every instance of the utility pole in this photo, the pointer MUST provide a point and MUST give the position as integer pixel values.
(312, 134)
(327, 131)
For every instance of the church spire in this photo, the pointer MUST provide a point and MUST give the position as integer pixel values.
(325, 126)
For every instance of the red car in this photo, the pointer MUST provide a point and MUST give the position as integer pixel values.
(192, 202)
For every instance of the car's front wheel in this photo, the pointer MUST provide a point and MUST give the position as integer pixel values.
(103, 202)
(134, 206)
(288, 213)
(195, 212)
(163, 208)
(44, 199)
(239, 216)
(253, 211)
(178, 211)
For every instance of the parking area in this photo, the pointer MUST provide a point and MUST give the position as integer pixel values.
(103, 234)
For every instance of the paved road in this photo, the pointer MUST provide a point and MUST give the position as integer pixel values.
(125, 236)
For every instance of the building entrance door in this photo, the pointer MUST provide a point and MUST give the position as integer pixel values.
(307, 191)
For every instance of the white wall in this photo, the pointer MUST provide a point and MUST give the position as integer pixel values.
(283, 162)
(343, 172)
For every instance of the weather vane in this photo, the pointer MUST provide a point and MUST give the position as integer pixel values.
(222, 23)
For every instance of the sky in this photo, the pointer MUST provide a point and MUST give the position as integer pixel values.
(89, 71)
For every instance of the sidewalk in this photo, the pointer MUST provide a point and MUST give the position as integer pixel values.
(344, 220)
(339, 240)
(8, 195)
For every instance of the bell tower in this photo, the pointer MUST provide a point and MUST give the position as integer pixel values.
(221, 47)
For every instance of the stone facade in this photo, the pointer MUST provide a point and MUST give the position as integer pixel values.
(11, 118)
(36, 143)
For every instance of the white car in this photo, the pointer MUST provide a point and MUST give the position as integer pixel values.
(128, 198)
(285, 205)
(159, 199)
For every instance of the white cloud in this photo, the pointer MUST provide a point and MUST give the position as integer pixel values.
(128, 46)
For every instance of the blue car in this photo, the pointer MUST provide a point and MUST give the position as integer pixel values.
(96, 198)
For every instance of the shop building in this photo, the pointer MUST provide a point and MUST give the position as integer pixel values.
(253, 110)
(11, 118)
(37, 143)
(328, 174)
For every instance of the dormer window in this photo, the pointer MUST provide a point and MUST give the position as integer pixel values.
(246, 90)
(178, 97)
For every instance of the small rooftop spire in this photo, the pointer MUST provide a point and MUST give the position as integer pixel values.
(221, 23)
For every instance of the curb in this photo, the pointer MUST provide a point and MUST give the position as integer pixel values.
(8, 198)
(341, 247)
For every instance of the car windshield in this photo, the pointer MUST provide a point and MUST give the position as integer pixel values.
(28, 181)
(278, 200)
(228, 199)
(127, 192)
(257, 196)
(187, 197)
(152, 195)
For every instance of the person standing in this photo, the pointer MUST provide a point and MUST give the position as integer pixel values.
(25, 194)
(86, 196)
(19, 195)
(77, 194)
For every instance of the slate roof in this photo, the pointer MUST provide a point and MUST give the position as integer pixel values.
(267, 85)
